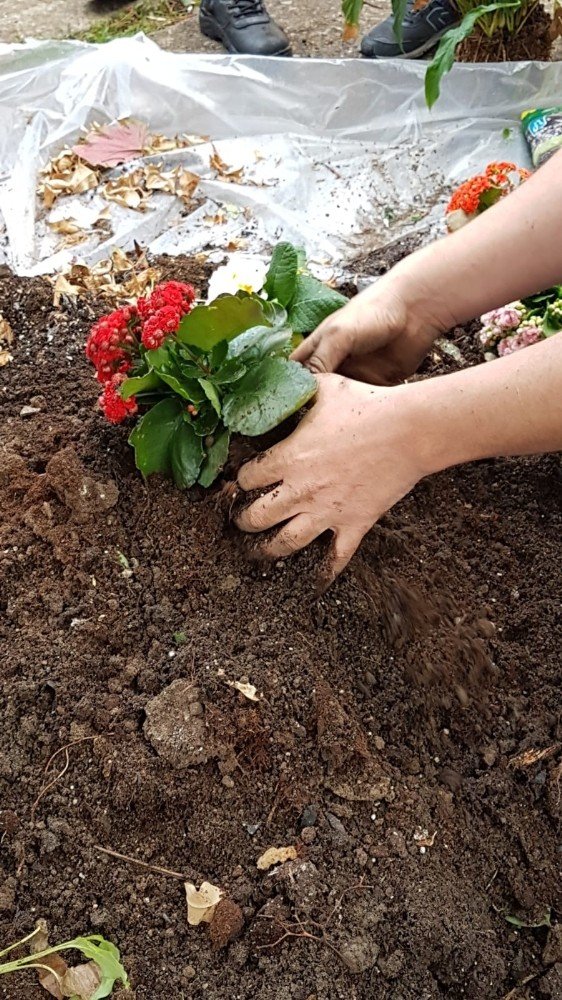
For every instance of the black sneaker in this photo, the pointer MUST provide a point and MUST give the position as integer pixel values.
(422, 29)
(243, 26)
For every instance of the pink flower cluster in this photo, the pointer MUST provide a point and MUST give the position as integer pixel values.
(529, 332)
(498, 322)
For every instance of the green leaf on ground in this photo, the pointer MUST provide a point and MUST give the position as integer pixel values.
(216, 458)
(267, 395)
(312, 303)
(282, 274)
(152, 436)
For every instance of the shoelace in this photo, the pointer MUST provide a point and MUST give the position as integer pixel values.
(245, 8)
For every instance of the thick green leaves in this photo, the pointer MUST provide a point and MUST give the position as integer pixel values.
(152, 436)
(231, 370)
(141, 383)
(445, 55)
(223, 319)
(312, 303)
(282, 274)
(261, 342)
(215, 461)
(267, 395)
(186, 455)
(211, 394)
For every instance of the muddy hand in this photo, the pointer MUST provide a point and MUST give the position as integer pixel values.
(380, 337)
(350, 459)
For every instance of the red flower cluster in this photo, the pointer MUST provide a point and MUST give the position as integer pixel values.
(115, 408)
(496, 176)
(114, 341)
(162, 311)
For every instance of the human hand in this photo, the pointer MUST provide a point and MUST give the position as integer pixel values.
(352, 457)
(381, 336)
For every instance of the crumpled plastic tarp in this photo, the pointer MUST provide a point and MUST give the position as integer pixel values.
(341, 156)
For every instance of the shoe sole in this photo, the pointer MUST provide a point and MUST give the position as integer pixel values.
(421, 50)
(211, 29)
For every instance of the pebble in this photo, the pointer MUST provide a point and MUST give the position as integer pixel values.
(188, 973)
(308, 817)
(308, 834)
(227, 781)
(29, 411)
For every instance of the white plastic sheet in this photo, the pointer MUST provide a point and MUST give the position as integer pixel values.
(341, 156)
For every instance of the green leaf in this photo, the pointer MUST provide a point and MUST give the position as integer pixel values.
(186, 455)
(152, 436)
(399, 8)
(219, 353)
(140, 383)
(211, 394)
(107, 958)
(313, 302)
(281, 277)
(351, 12)
(445, 55)
(206, 420)
(216, 458)
(223, 319)
(231, 370)
(172, 374)
(543, 922)
(267, 395)
(261, 342)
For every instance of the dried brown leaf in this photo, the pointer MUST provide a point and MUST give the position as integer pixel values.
(225, 172)
(51, 976)
(63, 288)
(5, 358)
(6, 332)
(65, 174)
(529, 757)
(110, 145)
(186, 184)
(81, 981)
(248, 690)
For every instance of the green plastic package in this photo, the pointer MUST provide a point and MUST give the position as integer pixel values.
(542, 128)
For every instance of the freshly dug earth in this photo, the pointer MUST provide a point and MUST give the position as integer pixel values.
(392, 745)
(532, 41)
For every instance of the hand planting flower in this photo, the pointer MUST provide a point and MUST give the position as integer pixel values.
(200, 374)
(482, 191)
(242, 273)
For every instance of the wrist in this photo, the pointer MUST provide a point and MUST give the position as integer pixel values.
(426, 315)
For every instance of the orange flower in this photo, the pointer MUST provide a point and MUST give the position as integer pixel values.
(467, 196)
(495, 178)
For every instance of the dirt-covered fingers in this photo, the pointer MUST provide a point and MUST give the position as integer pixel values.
(273, 508)
(345, 543)
(299, 532)
(265, 470)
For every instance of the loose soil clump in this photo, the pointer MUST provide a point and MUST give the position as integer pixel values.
(532, 41)
(393, 743)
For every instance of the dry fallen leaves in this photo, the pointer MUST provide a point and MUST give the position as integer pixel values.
(110, 145)
(6, 341)
(57, 978)
(276, 856)
(66, 174)
(248, 690)
(201, 903)
(529, 757)
(225, 172)
(121, 278)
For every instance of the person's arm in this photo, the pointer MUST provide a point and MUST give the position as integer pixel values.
(361, 448)
(510, 251)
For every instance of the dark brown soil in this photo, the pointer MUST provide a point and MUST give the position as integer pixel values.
(386, 745)
(532, 41)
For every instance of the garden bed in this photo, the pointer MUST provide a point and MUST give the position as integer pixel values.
(422, 679)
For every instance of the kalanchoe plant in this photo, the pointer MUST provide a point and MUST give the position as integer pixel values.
(478, 193)
(199, 373)
(521, 324)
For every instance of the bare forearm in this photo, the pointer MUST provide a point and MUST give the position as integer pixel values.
(512, 406)
(508, 252)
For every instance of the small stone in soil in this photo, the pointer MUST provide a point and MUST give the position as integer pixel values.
(308, 834)
(308, 817)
